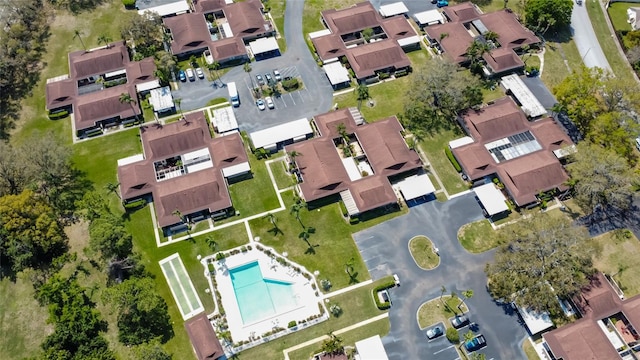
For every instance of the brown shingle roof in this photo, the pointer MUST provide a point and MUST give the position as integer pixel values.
(328, 123)
(203, 338)
(372, 192)
(502, 59)
(227, 48)
(397, 27)
(205, 189)
(512, 34)
(83, 64)
(246, 19)
(365, 60)
(141, 71)
(103, 105)
(60, 93)
(524, 176)
(455, 42)
(463, 12)
(189, 32)
(329, 46)
(209, 6)
(355, 18)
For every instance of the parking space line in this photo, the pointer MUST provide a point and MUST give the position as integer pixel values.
(445, 349)
(294, 102)
(301, 98)
(282, 99)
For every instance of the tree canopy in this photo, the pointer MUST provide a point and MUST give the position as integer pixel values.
(438, 92)
(146, 32)
(544, 15)
(546, 257)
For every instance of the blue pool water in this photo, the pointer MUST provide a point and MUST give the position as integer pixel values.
(259, 298)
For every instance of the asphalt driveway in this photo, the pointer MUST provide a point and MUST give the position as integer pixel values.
(385, 250)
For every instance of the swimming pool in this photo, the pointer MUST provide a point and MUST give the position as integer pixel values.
(259, 298)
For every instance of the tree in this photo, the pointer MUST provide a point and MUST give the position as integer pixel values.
(211, 243)
(468, 294)
(601, 178)
(113, 189)
(477, 356)
(305, 235)
(78, 35)
(193, 60)
(474, 53)
(108, 236)
(125, 98)
(151, 351)
(104, 40)
(142, 313)
(544, 15)
(295, 211)
(442, 291)
(367, 34)
(349, 268)
(178, 101)
(30, 234)
(334, 345)
(145, 32)
(615, 131)
(16, 172)
(362, 93)
(547, 257)
(165, 64)
(578, 96)
(179, 214)
(292, 157)
(274, 222)
(213, 69)
(437, 94)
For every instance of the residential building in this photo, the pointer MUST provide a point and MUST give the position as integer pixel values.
(184, 170)
(93, 88)
(204, 340)
(523, 154)
(219, 29)
(369, 43)
(500, 31)
(608, 329)
(353, 160)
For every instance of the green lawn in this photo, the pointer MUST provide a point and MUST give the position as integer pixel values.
(619, 258)
(421, 249)
(380, 327)
(560, 58)
(618, 15)
(255, 195)
(357, 306)
(277, 13)
(494, 5)
(388, 99)
(418, 57)
(433, 146)
(478, 236)
(280, 174)
(618, 64)
(529, 350)
(436, 310)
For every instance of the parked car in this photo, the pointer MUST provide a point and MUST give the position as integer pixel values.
(268, 78)
(191, 75)
(442, 3)
(200, 73)
(276, 75)
(396, 279)
(459, 321)
(475, 343)
(182, 76)
(434, 332)
(260, 104)
(269, 102)
(260, 80)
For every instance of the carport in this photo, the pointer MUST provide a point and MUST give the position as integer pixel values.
(492, 199)
(396, 8)
(430, 17)
(415, 186)
(175, 8)
(224, 120)
(528, 102)
(161, 100)
(337, 74)
(272, 137)
(536, 321)
(371, 349)
(264, 47)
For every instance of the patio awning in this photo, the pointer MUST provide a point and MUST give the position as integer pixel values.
(460, 142)
(336, 73)
(429, 17)
(393, 9)
(491, 198)
(409, 40)
(149, 85)
(416, 186)
(176, 8)
(263, 45)
(236, 170)
(371, 349)
(536, 321)
(224, 120)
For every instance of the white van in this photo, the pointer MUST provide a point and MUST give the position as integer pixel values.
(191, 75)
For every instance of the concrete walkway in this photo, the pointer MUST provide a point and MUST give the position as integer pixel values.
(342, 291)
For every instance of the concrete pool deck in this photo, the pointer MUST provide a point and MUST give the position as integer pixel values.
(306, 304)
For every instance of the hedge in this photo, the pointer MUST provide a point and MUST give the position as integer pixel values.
(343, 208)
(58, 115)
(135, 204)
(452, 158)
(129, 3)
(387, 304)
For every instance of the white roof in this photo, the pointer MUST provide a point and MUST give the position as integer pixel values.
(236, 169)
(491, 198)
(224, 119)
(371, 349)
(263, 45)
(352, 169)
(530, 104)
(270, 137)
(428, 17)
(565, 151)
(409, 40)
(317, 34)
(416, 186)
(336, 73)
(115, 73)
(227, 29)
(535, 321)
(161, 99)
(149, 85)
(130, 159)
(393, 9)
(177, 7)
(460, 142)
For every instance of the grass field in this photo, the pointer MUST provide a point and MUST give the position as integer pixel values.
(435, 311)
(529, 350)
(619, 258)
(479, 236)
(618, 64)
(433, 146)
(357, 306)
(282, 177)
(388, 99)
(254, 195)
(560, 58)
(618, 15)
(277, 13)
(421, 249)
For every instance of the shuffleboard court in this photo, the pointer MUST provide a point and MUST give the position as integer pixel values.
(181, 286)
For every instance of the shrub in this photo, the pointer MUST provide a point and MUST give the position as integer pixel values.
(290, 84)
(343, 208)
(383, 76)
(352, 74)
(401, 73)
(453, 336)
(58, 115)
(354, 220)
(382, 305)
(220, 256)
(335, 310)
(129, 3)
(292, 324)
(136, 204)
(452, 158)
(243, 249)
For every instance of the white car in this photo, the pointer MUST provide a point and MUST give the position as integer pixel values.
(269, 102)
(276, 75)
(190, 75)
(200, 73)
(260, 104)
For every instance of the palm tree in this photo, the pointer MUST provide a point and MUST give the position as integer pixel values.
(474, 54)
(247, 68)
(350, 270)
(362, 92)
(178, 101)
(293, 155)
(214, 68)
(305, 235)
(491, 36)
(113, 188)
(213, 245)
(333, 345)
(126, 98)
(77, 34)
(274, 221)
(104, 39)
(193, 60)
(295, 210)
(442, 291)
(178, 213)
(468, 294)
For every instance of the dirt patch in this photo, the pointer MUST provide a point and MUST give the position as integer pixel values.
(78, 234)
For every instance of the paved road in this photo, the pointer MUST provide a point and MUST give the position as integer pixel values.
(315, 98)
(586, 40)
(458, 271)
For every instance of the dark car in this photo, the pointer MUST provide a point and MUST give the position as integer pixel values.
(182, 76)
(475, 343)
(442, 3)
(434, 332)
(268, 78)
(459, 321)
(260, 80)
